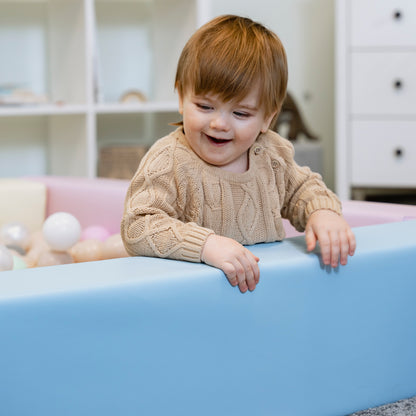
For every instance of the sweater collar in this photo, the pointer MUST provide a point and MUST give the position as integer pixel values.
(256, 158)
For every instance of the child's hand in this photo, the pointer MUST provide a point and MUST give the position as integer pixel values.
(239, 264)
(335, 237)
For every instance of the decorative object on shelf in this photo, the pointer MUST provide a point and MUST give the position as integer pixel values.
(290, 114)
(15, 95)
(132, 96)
(120, 162)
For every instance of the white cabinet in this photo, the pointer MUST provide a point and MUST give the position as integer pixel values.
(375, 94)
(76, 59)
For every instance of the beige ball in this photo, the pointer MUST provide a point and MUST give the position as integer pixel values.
(87, 250)
(54, 258)
(37, 246)
(113, 247)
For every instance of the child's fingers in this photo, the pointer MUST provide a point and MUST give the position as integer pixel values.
(237, 262)
(241, 276)
(325, 244)
(255, 268)
(248, 276)
(344, 250)
(231, 273)
(310, 239)
(236, 275)
(243, 271)
(351, 242)
(252, 272)
(335, 248)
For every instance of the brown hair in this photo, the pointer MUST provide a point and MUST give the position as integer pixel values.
(228, 55)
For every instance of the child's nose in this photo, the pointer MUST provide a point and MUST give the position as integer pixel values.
(220, 122)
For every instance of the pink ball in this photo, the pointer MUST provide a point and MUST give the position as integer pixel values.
(95, 232)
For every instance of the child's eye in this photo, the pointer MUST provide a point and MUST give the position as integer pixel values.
(241, 114)
(204, 107)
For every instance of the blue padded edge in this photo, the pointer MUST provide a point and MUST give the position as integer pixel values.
(160, 337)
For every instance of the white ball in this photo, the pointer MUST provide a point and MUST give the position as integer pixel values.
(6, 259)
(61, 231)
(15, 234)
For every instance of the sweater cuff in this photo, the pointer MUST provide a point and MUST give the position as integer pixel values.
(323, 203)
(194, 242)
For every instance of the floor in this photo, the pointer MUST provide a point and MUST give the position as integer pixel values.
(405, 407)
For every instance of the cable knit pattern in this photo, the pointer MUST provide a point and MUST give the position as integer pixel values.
(176, 200)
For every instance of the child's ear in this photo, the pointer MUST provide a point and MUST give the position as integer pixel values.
(267, 122)
(180, 104)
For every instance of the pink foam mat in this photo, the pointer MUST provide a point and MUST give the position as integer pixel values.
(97, 201)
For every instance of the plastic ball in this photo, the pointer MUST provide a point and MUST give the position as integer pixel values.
(37, 246)
(95, 232)
(61, 231)
(15, 235)
(113, 248)
(19, 263)
(6, 259)
(87, 250)
(54, 258)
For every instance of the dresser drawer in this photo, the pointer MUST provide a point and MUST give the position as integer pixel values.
(383, 153)
(383, 83)
(383, 23)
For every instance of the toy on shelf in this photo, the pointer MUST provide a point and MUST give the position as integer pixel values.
(15, 95)
(290, 114)
(132, 96)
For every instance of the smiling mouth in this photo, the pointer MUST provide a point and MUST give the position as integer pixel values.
(217, 140)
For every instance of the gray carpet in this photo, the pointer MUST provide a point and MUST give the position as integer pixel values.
(405, 407)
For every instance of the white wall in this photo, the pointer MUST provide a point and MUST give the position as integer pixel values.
(306, 28)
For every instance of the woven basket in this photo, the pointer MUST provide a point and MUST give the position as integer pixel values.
(120, 162)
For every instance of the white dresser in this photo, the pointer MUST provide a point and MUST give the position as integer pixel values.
(375, 95)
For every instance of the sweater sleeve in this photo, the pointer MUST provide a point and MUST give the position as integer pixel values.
(303, 190)
(150, 225)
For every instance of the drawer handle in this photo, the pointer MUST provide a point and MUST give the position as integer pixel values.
(397, 14)
(398, 84)
(398, 152)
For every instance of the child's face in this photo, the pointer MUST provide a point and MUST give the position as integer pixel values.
(221, 132)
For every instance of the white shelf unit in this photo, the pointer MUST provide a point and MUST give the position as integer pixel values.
(375, 96)
(83, 55)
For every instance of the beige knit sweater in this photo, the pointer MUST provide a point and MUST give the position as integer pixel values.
(176, 200)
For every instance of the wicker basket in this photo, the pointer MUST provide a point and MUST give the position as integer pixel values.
(120, 162)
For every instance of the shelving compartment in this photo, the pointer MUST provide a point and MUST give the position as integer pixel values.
(43, 51)
(138, 44)
(41, 145)
(123, 139)
(81, 56)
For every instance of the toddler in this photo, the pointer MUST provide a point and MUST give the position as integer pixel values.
(222, 179)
